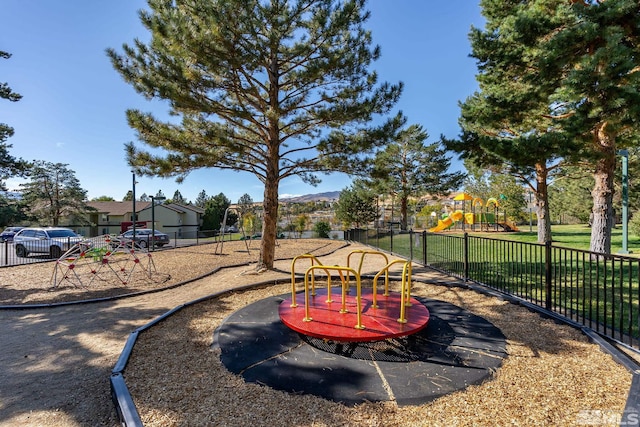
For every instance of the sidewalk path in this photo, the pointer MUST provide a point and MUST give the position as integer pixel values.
(55, 363)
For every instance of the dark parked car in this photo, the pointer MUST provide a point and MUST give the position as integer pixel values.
(8, 233)
(144, 238)
(49, 240)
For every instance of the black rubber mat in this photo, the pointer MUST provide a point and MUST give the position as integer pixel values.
(455, 350)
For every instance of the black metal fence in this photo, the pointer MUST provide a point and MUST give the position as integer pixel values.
(11, 254)
(599, 291)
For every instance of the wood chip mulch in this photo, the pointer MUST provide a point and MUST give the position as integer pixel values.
(553, 376)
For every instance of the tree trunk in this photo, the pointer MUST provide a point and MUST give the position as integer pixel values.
(269, 225)
(272, 166)
(603, 192)
(403, 212)
(542, 204)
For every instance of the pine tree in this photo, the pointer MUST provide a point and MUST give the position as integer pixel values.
(407, 167)
(128, 197)
(597, 56)
(178, 198)
(245, 205)
(506, 124)
(214, 213)
(570, 194)
(201, 200)
(279, 88)
(357, 205)
(53, 192)
(9, 165)
(559, 83)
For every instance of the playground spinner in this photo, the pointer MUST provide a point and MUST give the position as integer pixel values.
(363, 316)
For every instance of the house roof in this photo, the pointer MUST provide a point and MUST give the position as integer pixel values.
(177, 208)
(188, 207)
(118, 208)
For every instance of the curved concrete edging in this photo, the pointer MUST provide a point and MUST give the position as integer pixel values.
(129, 415)
(122, 399)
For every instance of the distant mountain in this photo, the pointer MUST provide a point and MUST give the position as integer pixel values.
(319, 197)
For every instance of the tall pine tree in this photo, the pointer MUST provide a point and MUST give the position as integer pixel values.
(596, 54)
(53, 192)
(408, 167)
(506, 124)
(559, 82)
(201, 200)
(278, 88)
(179, 198)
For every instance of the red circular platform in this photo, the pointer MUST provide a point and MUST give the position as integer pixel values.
(328, 323)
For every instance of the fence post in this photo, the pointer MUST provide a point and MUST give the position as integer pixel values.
(466, 256)
(6, 253)
(424, 247)
(547, 274)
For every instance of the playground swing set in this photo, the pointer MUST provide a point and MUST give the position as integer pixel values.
(483, 216)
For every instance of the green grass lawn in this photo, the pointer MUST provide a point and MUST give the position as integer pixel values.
(597, 290)
(603, 291)
(570, 236)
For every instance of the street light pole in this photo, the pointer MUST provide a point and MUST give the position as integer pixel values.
(133, 214)
(625, 201)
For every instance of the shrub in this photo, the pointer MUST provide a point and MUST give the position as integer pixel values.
(322, 229)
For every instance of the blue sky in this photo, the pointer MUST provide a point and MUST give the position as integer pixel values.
(74, 102)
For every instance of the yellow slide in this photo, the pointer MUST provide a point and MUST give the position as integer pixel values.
(509, 225)
(443, 224)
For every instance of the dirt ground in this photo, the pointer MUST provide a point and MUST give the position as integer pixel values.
(55, 362)
(124, 273)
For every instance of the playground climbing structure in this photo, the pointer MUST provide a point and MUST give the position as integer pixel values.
(485, 216)
(102, 259)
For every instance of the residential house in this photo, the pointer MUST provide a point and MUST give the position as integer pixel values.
(179, 221)
(108, 217)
